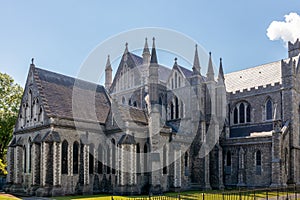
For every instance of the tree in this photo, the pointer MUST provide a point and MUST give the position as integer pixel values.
(10, 98)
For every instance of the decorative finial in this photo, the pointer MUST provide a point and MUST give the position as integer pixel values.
(146, 39)
(153, 39)
(126, 44)
(210, 53)
(175, 59)
(32, 61)
(196, 46)
(221, 59)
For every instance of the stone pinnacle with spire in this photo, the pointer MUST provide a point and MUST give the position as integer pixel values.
(196, 65)
(221, 73)
(146, 53)
(153, 53)
(210, 71)
(108, 73)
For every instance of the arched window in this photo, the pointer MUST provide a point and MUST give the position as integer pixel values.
(100, 159)
(41, 114)
(108, 160)
(75, 157)
(123, 100)
(165, 167)
(172, 82)
(172, 110)
(24, 159)
(235, 115)
(179, 81)
(258, 162)
(29, 159)
(145, 158)
(134, 104)
(269, 109)
(228, 158)
(129, 102)
(64, 157)
(248, 113)
(175, 80)
(91, 159)
(30, 104)
(160, 102)
(186, 164)
(176, 108)
(228, 163)
(113, 151)
(138, 159)
(242, 113)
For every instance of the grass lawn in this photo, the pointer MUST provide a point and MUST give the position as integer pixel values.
(190, 195)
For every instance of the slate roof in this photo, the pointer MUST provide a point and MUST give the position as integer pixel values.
(57, 94)
(127, 139)
(253, 77)
(137, 59)
(187, 73)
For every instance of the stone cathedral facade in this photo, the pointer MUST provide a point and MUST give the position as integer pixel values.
(152, 129)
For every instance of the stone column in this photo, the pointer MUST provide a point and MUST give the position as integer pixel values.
(276, 155)
(56, 164)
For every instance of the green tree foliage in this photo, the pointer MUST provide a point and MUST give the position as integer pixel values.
(10, 98)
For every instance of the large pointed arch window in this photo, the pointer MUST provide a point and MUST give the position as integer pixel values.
(91, 159)
(113, 151)
(269, 109)
(75, 157)
(100, 159)
(258, 162)
(241, 113)
(64, 157)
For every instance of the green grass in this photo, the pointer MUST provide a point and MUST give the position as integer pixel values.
(189, 195)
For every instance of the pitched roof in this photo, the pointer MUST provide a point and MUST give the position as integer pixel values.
(57, 92)
(253, 77)
(186, 72)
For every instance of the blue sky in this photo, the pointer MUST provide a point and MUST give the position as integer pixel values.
(61, 34)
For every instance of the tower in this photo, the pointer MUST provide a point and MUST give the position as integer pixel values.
(154, 123)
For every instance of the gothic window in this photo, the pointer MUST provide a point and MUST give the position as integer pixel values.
(165, 167)
(181, 109)
(123, 100)
(100, 159)
(176, 108)
(91, 159)
(228, 163)
(113, 151)
(138, 159)
(24, 159)
(129, 102)
(64, 157)
(172, 110)
(175, 80)
(179, 81)
(134, 104)
(258, 162)
(248, 113)
(172, 82)
(40, 114)
(269, 109)
(235, 115)
(186, 163)
(286, 160)
(75, 157)
(29, 159)
(108, 161)
(145, 158)
(160, 105)
(30, 103)
(242, 113)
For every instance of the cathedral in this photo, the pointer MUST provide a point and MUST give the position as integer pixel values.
(152, 128)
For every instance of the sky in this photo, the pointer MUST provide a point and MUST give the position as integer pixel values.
(61, 34)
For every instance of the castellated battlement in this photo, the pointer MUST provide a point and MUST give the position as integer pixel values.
(294, 49)
(257, 90)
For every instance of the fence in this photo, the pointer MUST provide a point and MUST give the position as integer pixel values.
(284, 193)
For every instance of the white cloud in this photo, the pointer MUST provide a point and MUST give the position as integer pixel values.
(288, 30)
